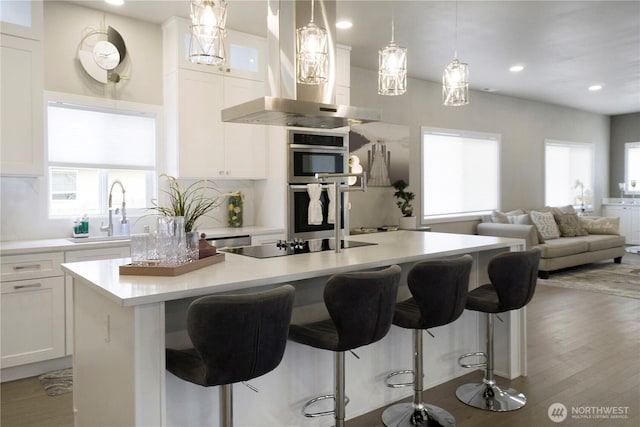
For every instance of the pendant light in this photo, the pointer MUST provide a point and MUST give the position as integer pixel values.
(392, 67)
(455, 79)
(208, 20)
(312, 53)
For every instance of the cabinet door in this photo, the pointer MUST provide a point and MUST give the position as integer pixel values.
(21, 111)
(201, 150)
(86, 255)
(245, 144)
(33, 321)
(634, 226)
(623, 213)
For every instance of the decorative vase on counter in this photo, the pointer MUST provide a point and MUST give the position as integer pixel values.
(407, 223)
(235, 209)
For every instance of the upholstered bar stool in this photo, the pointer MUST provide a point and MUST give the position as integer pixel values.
(235, 338)
(513, 277)
(438, 289)
(360, 307)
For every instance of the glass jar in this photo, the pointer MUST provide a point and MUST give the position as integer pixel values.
(235, 207)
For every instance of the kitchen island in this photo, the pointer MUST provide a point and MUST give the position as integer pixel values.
(122, 325)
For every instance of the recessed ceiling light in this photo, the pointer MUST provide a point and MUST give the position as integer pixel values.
(343, 25)
(594, 88)
(115, 2)
(516, 68)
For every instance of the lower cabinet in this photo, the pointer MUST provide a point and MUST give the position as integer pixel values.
(78, 256)
(32, 309)
(629, 221)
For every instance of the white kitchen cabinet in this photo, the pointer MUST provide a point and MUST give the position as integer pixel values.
(343, 75)
(202, 145)
(22, 18)
(21, 106)
(629, 221)
(246, 53)
(78, 256)
(33, 308)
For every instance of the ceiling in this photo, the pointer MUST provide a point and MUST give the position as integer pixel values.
(564, 46)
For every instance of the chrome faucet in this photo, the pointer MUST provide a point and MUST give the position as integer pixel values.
(109, 228)
(337, 179)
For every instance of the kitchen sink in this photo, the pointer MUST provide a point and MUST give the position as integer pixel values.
(93, 239)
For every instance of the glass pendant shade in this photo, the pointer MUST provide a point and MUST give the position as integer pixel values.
(208, 20)
(392, 70)
(312, 58)
(455, 84)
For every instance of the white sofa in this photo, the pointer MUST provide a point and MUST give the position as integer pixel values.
(600, 242)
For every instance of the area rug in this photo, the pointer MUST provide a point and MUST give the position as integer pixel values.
(57, 382)
(605, 278)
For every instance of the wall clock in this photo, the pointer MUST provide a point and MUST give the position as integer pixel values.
(100, 52)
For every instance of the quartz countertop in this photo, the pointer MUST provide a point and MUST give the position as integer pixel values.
(19, 247)
(240, 272)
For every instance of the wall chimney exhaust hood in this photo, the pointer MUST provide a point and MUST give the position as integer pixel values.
(289, 103)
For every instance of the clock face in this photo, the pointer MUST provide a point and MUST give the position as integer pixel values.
(106, 55)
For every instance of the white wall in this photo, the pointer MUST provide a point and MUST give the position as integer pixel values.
(523, 124)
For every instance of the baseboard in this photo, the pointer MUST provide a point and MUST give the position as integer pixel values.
(34, 369)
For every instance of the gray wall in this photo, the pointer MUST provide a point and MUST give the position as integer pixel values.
(523, 124)
(624, 128)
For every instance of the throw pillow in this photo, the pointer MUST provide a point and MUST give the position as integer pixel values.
(601, 225)
(563, 210)
(505, 217)
(569, 225)
(545, 224)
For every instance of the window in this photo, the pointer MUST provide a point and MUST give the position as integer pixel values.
(569, 173)
(89, 147)
(632, 167)
(460, 172)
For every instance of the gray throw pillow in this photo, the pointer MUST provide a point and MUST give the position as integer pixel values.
(546, 224)
(569, 225)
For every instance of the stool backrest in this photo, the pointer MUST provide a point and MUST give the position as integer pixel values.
(439, 288)
(240, 337)
(361, 305)
(514, 276)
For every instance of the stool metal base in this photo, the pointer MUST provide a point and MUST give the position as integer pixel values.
(424, 415)
(491, 397)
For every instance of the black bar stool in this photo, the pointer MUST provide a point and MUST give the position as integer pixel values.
(235, 338)
(439, 289)
(361, 308)
(513, 278)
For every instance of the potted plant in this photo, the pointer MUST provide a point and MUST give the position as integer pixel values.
(404, 198)
(189, 202)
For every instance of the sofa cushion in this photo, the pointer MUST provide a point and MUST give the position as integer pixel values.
(569, 225)
(504, 217)
(563, 247)
(601, 225)
(598, 242)
(546, 224)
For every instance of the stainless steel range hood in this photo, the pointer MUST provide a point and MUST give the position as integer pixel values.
(288, 103)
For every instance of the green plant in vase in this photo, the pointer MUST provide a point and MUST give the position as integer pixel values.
(188, 201)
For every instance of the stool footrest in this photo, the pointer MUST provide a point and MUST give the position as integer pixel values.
(399, 385)
(473, 365)
(321, 413)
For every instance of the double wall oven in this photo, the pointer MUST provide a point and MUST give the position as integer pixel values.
(311, 152)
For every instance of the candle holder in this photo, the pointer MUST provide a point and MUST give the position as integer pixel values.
(621, 188)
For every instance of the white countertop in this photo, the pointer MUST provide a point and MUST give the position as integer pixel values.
(19, 247)
(240, 272)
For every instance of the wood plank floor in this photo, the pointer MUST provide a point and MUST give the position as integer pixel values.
(584, 351)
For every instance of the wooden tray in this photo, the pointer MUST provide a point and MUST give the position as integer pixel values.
(143, 270)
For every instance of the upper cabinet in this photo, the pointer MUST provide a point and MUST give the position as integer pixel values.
(199, 144)
(343, 75)
(21, 88)
(246, 53)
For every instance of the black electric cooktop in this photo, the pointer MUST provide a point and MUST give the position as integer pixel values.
(293, 248)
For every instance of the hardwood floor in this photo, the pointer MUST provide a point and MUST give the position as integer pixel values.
(584, 352)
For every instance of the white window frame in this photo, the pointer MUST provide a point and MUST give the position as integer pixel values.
(102, 104)
(455, 216)
(587, 185)
(629, 171)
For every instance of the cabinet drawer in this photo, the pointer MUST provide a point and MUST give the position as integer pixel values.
(95, 254)
(32, 266)
(32, 317)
